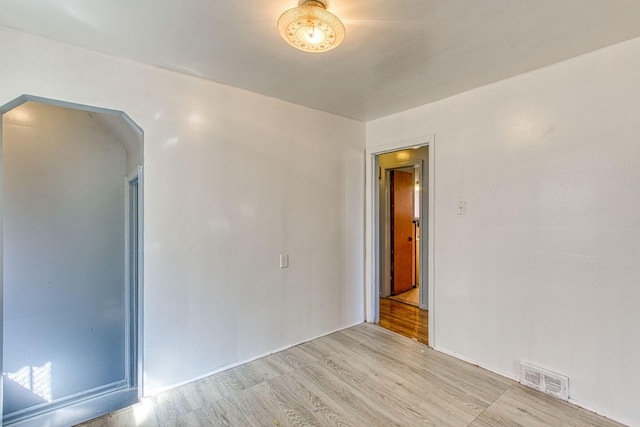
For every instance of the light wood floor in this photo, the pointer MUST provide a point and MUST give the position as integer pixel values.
(361, 376)
(404, 319)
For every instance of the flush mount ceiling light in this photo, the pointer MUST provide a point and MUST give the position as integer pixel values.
(311, 27)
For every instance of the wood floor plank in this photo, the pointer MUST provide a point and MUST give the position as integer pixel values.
(394, 403)
(278, 363)
(368, 332)
(170, 405)
(327, 345)
(208, 389)
(433, 402)
(440, 393)
(297, 358)
(289, 360)
(279, 410)
(319, 350)
(254, 410)
(197, 394)
(327, 414)
(509, 412)
(186, 420)
(320, 382)
(422, 360)
(332, 402)
(564, 411)
(223, 412)
(229, 382)
(293, 408)
(257, 372)
(309, 404)
(141, 414)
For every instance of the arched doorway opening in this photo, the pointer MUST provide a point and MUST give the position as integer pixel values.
(72, 258)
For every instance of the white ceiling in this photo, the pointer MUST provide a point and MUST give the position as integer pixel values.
(397, 54)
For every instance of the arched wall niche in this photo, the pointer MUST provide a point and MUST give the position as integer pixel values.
(72, 252)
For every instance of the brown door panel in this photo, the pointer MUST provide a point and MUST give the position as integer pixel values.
(402, 229)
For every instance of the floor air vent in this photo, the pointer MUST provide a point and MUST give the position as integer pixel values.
(548, 382)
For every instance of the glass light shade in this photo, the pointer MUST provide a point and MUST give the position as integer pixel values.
(310, 27)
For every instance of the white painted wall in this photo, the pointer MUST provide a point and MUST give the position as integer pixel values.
(232, 179)
(63, 276)
(544, 266)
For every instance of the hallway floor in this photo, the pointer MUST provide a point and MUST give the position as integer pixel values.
(411, 297)
(404, 319)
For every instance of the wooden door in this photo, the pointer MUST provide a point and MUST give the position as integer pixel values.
(401, 231)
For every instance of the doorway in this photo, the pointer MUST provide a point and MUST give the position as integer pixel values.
(414, 165)
(401, 176)
(72, 255)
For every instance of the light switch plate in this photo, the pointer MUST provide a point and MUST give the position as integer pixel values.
(284, 260)
(462, 207)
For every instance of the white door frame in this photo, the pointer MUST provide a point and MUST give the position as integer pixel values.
(372, 238)
(134, 279)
